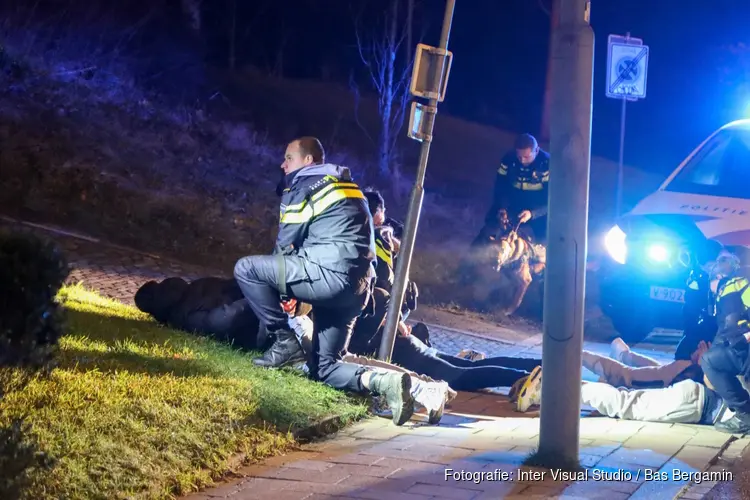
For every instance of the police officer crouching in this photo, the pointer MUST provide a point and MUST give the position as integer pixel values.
(521, 188)
(728, 357)
(323, 256)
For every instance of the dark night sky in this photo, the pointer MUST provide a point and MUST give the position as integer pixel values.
(500, 57)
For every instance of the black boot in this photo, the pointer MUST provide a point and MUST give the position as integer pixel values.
(284, 352)
(738, 424)
(395, 388)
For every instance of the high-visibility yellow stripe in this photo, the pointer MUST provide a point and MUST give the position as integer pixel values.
(331, 187)
(297, 207)
(545, 176)
(733, 286)
(318, 207)
(503, 170)
(297, 217)
(334, 196)
(746, 298)
(528, 186)
(383, 253)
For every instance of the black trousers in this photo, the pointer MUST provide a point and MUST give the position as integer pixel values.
(336, 299)
(411, 353)
(722, 364)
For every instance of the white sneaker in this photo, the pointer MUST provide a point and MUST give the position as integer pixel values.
(530, 393)
(471, 354)
(432, 396)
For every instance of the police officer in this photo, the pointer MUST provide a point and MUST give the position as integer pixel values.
(727, 358)
(387, 245)
(521, 189)
(323, 256)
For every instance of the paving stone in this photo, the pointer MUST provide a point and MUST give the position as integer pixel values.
(709, 438)
(443, 491)
(695, 457)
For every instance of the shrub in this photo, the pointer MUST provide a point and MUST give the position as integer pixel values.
(32, 272)
(31, 322)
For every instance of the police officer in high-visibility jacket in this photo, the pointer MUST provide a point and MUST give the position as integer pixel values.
(729, 356)
(324, 256)
(521, 189)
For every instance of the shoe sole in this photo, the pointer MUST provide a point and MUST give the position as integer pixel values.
(435, 416)
(536, 373)
(404, 413)
(290, 362)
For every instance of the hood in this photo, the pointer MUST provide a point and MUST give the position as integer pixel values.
(342, 173)
(725, 220)
(157, 299)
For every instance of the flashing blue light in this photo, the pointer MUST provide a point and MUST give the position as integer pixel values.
(658, 253)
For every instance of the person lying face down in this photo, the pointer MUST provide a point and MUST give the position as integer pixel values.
(216, 307)
(209, 306)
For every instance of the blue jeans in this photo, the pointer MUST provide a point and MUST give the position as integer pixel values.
(461, 374)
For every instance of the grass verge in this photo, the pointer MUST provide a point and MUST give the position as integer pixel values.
(135, 410)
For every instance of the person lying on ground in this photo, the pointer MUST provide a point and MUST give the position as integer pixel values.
(210, 306)
(408, 351)
(215, 307)
(624, 368)
(684, 402)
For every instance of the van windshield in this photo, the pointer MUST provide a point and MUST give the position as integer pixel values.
(720, 168)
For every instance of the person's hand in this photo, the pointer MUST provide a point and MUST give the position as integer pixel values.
(404, 330)
(696, 356)
(524, 216)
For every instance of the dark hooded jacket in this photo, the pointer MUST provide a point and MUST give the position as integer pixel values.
(208, 306)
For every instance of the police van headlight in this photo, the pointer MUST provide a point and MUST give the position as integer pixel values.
(658, 253)
(614, 242)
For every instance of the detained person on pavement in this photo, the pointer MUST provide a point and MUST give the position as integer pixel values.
(323, 256)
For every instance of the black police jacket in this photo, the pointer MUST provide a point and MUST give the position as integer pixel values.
(520, 187)
(324, 219)
(732, 304)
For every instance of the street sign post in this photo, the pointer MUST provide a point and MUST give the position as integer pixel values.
(627, 72)
(429, 81)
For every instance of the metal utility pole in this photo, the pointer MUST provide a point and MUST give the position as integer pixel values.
(564, 284)
(429, 80)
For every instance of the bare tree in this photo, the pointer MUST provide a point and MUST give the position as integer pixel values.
(389, 75)
(191, 9)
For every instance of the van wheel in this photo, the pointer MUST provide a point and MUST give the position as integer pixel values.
(630, 327)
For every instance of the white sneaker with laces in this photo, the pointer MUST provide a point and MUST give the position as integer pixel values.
(432, 396)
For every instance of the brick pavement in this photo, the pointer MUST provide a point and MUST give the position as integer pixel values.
(479, 433)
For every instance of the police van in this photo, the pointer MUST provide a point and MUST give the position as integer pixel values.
(652, 249)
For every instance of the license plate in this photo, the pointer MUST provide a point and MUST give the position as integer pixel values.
(668, 294)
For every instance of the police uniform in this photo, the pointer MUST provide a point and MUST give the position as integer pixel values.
(324, 256)
(728, 355)
(520, 187)
(384, 250)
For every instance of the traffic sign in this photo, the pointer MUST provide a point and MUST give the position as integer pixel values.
(627, 68)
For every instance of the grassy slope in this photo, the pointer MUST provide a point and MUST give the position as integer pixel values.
(197, 182)
(135, 410)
